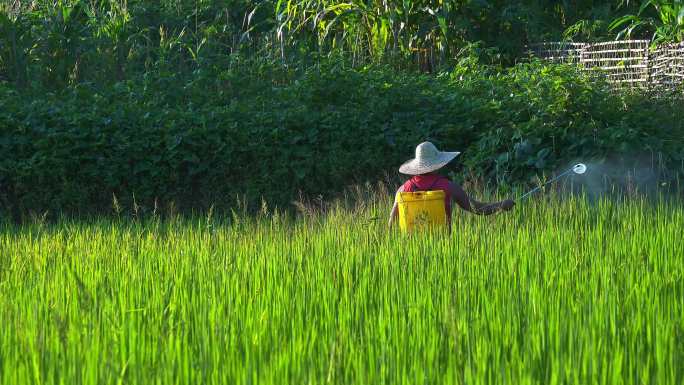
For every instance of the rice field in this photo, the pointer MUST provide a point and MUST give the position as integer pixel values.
(559, 291)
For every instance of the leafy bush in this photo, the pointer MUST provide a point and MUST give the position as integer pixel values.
(269, 132)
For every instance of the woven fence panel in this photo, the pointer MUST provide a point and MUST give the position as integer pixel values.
(625, 63)
(558, 52)
(667, 66)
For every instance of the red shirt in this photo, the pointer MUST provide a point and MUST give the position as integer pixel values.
(431, 182)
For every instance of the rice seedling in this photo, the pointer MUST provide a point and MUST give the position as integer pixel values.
(556, 291)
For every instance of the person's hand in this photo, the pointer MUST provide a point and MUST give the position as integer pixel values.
(507, 204)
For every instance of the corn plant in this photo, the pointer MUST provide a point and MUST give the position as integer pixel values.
(663, 18)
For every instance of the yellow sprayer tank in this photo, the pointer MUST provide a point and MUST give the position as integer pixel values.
(421, 209)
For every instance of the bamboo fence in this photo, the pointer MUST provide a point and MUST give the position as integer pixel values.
(625, 63)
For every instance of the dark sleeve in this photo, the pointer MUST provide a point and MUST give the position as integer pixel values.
(460, 197)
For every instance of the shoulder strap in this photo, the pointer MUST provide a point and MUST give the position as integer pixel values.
(434, 182)
(413, 185)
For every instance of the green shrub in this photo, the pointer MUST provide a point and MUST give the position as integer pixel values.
(268, 132)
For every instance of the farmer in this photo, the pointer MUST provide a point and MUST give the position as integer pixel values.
(424, 169)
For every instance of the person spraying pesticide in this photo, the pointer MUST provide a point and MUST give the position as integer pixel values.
(426, 199)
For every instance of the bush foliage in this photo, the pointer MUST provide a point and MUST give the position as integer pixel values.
(260, 131)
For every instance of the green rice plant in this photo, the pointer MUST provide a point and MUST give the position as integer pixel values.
(558, 291)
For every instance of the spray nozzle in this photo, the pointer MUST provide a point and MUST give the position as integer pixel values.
(579, 168)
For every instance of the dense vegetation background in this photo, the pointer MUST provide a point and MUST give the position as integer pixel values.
(195, 102)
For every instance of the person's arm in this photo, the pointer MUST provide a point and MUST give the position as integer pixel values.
(395, 208)
(466, 203)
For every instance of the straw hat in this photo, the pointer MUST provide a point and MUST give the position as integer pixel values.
(428, 159)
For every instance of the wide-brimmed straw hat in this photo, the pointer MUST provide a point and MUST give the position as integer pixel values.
(428, 159)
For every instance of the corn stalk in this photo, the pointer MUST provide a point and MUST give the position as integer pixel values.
(663, 18)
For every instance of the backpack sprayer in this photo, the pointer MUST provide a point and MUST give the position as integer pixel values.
(421, 209)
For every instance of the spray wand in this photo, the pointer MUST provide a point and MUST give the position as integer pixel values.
(579, 169)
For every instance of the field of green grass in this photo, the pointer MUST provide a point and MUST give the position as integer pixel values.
(553, 292)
